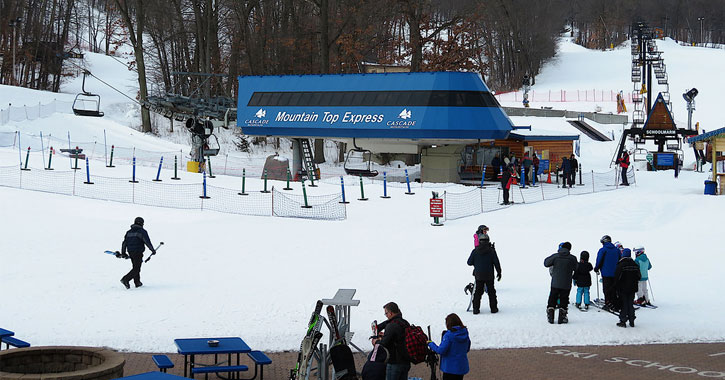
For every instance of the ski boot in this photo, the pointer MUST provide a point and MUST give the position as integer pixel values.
(622, 324)
(126, 284)
(562, 316)
(550, 314)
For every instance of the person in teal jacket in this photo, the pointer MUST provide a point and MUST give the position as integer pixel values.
(644, 266)
(453, 349)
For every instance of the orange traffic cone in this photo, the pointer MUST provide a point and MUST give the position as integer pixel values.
(548, 178)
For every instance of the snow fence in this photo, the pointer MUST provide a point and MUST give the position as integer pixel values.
(179, 196)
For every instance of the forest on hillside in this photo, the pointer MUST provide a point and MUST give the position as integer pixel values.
(503, 40)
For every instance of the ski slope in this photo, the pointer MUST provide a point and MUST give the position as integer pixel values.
(259, 277)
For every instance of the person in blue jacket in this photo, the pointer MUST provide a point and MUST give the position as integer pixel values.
(607, 259)
(453, 349)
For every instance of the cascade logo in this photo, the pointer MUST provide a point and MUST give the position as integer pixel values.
(259, 121)
(404, 115)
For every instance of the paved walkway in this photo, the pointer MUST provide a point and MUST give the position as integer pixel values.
(654, 361)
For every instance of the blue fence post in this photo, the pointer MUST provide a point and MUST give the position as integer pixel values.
(342, 184)
(483, 175)
(385, 186)
(244, 174)
(204, 187)
(158, 173)
(523, 177)
(133, 173)
(88, 174)
(407, 180)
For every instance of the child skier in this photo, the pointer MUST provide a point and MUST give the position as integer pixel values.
(644, 266)
(583, 280)
(482, 230)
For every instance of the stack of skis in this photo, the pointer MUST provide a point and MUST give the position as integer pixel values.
(340, 353)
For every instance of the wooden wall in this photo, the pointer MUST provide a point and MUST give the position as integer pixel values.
(557, 149)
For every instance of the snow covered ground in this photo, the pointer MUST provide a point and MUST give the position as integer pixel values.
(259, 277)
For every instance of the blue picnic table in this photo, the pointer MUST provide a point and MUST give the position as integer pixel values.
(155, 375)
(5, 333)
(190, 347)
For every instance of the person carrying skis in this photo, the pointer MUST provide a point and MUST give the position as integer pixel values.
(644, 266)
(623, 162)
(583, 280)
(393, 340)
(135, 241)
(484, 260)
(607, 259)
(454, 348)
(563, 265)
(626, 278)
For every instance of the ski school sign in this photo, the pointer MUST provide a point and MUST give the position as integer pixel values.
(644, 364)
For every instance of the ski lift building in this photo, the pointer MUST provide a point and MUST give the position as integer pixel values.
(433, 114)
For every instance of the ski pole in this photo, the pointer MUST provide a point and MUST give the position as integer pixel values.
(154, 252)
(597, 286)
(649, 285)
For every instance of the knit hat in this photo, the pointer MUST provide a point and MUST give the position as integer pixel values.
(584, 256)
(139, 221)
(638, 250)
(626, 252)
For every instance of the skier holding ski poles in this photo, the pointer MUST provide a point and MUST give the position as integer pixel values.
(135, 241)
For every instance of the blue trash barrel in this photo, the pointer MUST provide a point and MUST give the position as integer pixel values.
(710, 188)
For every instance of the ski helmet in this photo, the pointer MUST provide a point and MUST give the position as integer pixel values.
(605, 239)
(138, 220)
(584, 256)
(482, 229)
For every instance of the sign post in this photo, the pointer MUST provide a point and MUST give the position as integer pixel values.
(436, 209)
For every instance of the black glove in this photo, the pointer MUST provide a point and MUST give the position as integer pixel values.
(153, 251)
(499, 276)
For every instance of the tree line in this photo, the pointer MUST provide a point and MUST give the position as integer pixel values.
(503, 40)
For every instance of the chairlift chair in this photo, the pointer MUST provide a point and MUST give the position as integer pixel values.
(87, 98)
(358, 162)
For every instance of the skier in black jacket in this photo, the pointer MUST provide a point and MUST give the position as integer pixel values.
(626, 281)
(583, 280)
(135, 241)
(484, 259)
(562, 264)
(393, 340)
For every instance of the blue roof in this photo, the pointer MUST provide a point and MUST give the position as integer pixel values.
(706, 136)
(396, 120)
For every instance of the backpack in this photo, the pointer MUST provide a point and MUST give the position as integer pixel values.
(416, 344)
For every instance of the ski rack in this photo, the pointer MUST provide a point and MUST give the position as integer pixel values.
(342, 301)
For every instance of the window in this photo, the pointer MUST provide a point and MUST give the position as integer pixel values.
(418, 98)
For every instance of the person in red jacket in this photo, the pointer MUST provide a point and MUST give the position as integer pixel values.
(623, 162)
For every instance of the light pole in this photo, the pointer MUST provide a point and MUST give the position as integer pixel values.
(700, 19)
(14, 24)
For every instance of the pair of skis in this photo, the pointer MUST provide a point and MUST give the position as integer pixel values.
(340, 352)
(308, 344)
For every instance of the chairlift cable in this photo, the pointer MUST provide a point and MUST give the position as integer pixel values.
(102, 81)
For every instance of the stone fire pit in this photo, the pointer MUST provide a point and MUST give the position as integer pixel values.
(60, 363)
